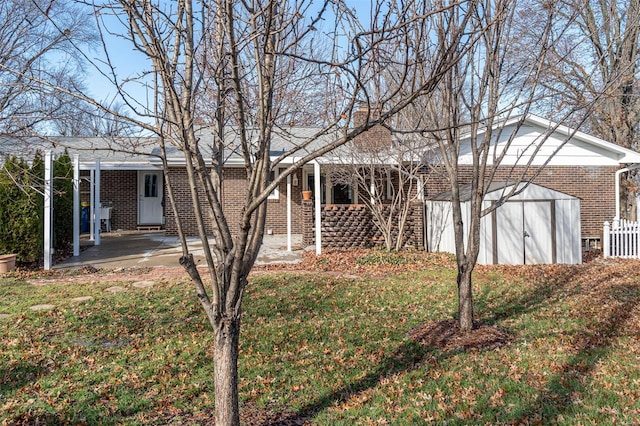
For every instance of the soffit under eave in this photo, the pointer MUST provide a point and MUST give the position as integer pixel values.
(120, 166)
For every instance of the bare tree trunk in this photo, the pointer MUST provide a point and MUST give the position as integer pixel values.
(225, 355)
(464, 258)
(465, 296)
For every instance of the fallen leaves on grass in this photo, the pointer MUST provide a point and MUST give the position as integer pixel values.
(572, 355)
(249, 416)
(373, 261)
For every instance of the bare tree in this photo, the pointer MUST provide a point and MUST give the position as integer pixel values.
(386, 177)
(38, 43)
(468, 113)
(77, 118)
(250, 57)
(593, 60)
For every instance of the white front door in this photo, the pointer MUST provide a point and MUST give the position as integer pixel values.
(150, 197)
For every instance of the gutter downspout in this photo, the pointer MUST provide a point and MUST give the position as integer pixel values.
(618, 173)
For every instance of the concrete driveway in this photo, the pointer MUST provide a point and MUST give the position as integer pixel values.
(148, 249)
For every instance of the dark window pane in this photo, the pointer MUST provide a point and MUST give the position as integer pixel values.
(150, 186)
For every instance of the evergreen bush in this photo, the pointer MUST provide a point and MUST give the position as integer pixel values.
(22, 205)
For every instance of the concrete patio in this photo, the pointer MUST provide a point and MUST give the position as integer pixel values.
(149, 249)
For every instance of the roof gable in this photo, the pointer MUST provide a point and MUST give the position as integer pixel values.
(542, 142)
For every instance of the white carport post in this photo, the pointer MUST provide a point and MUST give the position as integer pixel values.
(96, 205)
(76, 205)
(92, 191)
(318, 198)
(48, 209)
(288, 212)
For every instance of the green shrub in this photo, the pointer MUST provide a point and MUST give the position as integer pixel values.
(22, 205)
(20, 215)
(63, 203)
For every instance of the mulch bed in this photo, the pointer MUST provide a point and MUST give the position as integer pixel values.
(446, 335)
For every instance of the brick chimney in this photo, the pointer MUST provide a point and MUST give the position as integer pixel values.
(377, 137)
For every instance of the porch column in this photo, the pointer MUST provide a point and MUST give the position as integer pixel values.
(288, 212)
(372, 189)
(76, 205)
(92, 197)
(318, 198)
(97, 205)
(48, 209)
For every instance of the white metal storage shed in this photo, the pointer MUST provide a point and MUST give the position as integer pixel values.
(538, 225)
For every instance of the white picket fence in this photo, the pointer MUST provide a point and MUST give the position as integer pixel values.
(621, 238)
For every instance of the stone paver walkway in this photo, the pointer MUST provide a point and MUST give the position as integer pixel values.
(42, 307)
(145, 284)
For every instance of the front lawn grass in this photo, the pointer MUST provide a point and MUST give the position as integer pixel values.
(330, 349)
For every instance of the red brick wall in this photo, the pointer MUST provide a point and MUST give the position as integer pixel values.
(121, 189)
(374, 138)
(118, 188)
(184, 205)
(594, 185)
(233, 199)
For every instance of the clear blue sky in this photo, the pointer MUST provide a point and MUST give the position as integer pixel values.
(130, 63)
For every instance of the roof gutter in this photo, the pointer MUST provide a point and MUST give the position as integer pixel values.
(618, 173)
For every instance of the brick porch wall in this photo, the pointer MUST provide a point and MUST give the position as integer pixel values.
(233, 195)
(351, 225)
(594, 185)
(120, 189)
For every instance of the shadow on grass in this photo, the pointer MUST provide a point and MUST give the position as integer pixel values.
(15, 377)
(572, 379)
(405, 358)
(564, 389)
(545, 288)
(413, 353)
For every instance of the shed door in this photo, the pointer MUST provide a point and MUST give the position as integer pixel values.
(509, 227)
(537, 232)
(524, 233)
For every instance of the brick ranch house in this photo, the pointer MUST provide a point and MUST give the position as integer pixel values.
(133, 188)
(132, 185)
